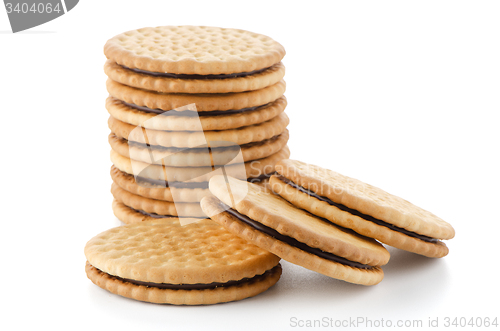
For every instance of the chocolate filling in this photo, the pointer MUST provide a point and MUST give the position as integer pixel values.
(192, 185)
(164, 183)
(188, 113)
(153, 215)
(194, 76)
(291, 241)
(260, 178)
(200, 286)
(198, 149)
(357, 213)
(158, 216)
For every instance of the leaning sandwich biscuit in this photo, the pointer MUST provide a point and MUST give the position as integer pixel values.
(161, 261)
(361, 207)
(270, 222)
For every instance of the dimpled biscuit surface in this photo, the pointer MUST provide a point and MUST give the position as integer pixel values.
(365, 198)
(276, 213)
(166, 252)
(193, 50)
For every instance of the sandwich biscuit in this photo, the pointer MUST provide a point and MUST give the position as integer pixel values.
(197, 83)
(193, 139)
(254, 170)
(194, 50)
(366, 209)
(205, 102)
(270, 222)
(156, 207)
(161, 261)
(197, 157)
(129, 215)
(185, 192)
(193, 121)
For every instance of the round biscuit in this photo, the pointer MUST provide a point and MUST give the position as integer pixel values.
(129, 215)
(257, 81)
(365, 198)
(278, 214)
(175, 157)
(159, 207)
(204, 102)
(182, 297)
(165, 251)
(289, 253)
(253, 169)
(188, 139)
(133, 116)
(366, 228)
(157, 192)
(200, 50)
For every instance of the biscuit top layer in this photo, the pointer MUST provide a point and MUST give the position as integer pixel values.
(275, 212)
(163, 251)
(197, 50)
(365, 198)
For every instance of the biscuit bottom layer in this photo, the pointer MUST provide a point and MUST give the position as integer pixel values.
(357, 213)
(164, 183)
(158, 216)
(291, 241)
(187, 113)
(166, 286)
(153, 215)
(193, 185)
(195, 76)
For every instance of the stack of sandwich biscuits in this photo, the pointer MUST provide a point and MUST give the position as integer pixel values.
(185, 101)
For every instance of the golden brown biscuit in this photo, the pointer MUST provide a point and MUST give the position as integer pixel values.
(361, 207)
(272, 223)
(205, 102)
(130, 215)
(200, 50)
(177, 121)
(145, 81)
(251, 170)
(185, 193)
(197, 157)
(183, 139)
(162, 261)
(156, 207)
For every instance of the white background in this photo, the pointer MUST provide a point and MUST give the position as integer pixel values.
(402, 95)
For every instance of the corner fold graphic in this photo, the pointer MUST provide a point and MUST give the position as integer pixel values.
(70, 4)
(26, 14)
